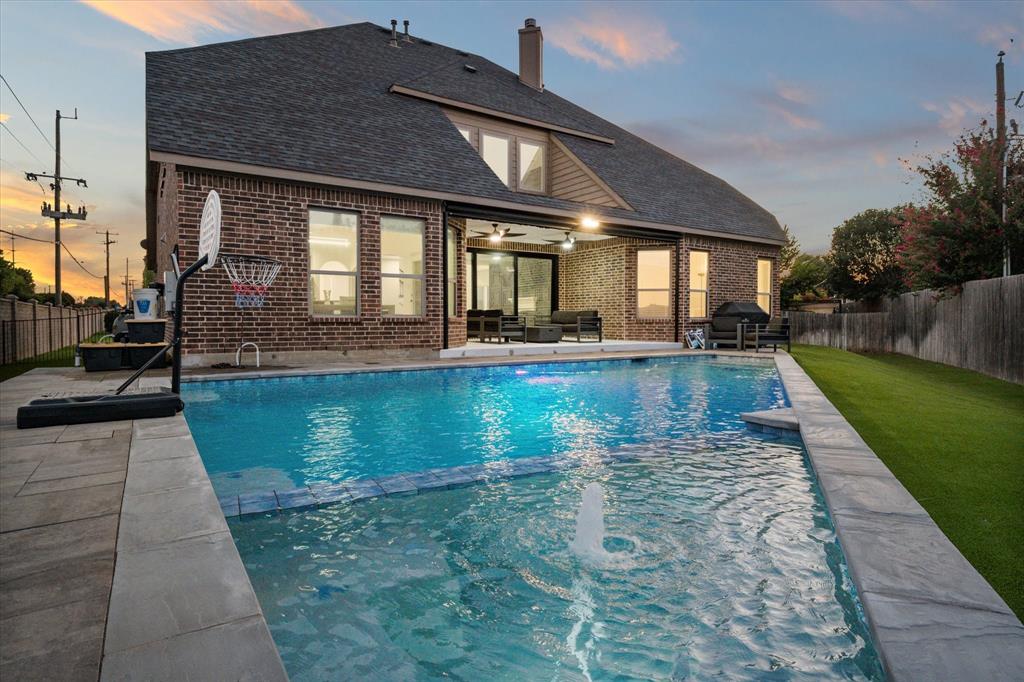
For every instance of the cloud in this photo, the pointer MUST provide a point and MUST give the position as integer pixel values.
(188, 21)
(790, 103)
(998, 35)
(957, 114)
(614, 40)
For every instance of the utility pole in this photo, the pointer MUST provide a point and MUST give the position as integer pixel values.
(106, 278)
(54, 211)
(1001, 142)
(126, 282)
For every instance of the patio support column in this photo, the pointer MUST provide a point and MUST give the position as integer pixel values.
(675, 289)
(444, 274)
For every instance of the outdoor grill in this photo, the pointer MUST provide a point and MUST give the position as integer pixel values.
(744, 311)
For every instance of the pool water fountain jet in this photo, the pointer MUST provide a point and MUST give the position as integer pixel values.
(588, 544)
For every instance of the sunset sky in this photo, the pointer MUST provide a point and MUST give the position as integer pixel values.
(805, 107)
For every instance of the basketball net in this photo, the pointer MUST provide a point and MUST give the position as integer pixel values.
(251, 277)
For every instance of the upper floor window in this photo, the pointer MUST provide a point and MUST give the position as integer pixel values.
(494, 149)
(333, 262)
(531, 166)
(653, 282)
(401, 266)
(764, 284)
(698, 284)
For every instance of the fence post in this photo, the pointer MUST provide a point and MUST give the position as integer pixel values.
(78, 326)
(35, 327)
(14, 328)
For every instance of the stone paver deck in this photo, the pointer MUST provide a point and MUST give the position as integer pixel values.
(932, 615)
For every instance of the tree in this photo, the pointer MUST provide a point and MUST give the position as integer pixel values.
(66, 299)
(863, 262)
(789, 252)
(15, 280)
(807, 278)
(94, 302)
(959, 234)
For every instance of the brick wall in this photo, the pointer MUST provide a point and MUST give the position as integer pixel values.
(265, 217)
(269, 217)
(732, 273)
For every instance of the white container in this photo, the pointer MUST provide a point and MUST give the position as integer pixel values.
(145, 303)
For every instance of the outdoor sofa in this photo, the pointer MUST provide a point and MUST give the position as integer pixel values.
(578, 323)
(742, 325)
(494, 324)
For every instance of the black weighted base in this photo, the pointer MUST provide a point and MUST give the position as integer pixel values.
(98, 408)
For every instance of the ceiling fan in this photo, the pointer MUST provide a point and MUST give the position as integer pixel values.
(566, 243)
(497, 235)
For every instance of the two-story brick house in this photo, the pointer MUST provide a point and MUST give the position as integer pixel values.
(402, 182)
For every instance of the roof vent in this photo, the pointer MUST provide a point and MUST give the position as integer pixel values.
(469, 67)
(406, 38)
(531, 55)
(394, 33)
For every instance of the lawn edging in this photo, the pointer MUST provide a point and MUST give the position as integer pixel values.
(931, 614)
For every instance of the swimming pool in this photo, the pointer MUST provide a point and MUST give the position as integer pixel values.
(281, 434)
(719, 561)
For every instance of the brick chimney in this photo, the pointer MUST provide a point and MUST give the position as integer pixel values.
(531, 55)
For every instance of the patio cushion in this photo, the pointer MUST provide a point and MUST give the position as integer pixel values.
(564, 317)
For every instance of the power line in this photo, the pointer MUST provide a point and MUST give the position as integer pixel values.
(11, 133)
(49, 241)
(79, 262)
(18, 100)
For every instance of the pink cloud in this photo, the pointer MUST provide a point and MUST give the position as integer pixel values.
(998, 35)
(188, 21)
(790, 103)
(957, 114)
(614, 40)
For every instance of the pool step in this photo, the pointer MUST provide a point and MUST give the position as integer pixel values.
(316, 495)
(782, 419)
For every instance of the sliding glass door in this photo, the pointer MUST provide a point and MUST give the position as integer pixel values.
(518, 285)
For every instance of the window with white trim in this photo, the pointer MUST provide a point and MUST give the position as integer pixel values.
(764, 284)
(494, 149)
(531, 166)
(653, 283)
(333, 263)
(401, 266)
(698, 284)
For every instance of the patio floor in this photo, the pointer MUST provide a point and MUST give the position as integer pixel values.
(480, 349)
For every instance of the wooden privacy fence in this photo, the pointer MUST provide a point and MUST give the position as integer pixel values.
(29, 329)
(982, 329)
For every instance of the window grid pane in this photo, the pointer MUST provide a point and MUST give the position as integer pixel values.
(494, 150)
(531, 166)
(401, 265)
(698, 284)
(333, 262)
(764, 284)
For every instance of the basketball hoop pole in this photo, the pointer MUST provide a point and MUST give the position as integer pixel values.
(179, 305)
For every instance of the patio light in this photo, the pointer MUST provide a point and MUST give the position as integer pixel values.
(589, 222)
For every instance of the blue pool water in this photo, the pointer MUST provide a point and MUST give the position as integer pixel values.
(723, 560)
(280, 434)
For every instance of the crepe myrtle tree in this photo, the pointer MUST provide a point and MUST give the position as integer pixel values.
(863, 262)
(807, 279)
(958, 235)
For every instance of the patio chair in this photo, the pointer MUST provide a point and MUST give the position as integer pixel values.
(477, 319)
(773, 333)
(504, 328)
(579, 323)
(724, 330)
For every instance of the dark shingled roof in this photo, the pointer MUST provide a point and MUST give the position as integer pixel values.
(319, 101)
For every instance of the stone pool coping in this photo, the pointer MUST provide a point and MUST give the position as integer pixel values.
(931, 614)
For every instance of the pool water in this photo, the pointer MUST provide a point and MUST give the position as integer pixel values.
(724, 565)
(723, 562)
(280, 434)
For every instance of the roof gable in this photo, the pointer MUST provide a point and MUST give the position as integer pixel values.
(319, 102)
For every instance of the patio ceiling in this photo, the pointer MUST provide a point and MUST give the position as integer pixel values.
(532, 233)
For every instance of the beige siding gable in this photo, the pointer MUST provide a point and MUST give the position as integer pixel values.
(567, 177)
(572, 180)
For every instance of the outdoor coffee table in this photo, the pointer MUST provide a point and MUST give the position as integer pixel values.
(544, 333)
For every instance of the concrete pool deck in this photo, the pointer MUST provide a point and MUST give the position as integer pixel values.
(178, 602)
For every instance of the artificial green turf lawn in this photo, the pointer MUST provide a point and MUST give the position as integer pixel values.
(953, 437)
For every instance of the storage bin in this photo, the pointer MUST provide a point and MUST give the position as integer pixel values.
(146, 331)
(102, 357)
(140, 353)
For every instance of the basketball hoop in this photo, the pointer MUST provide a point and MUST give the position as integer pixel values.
(251, 277)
